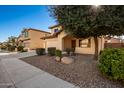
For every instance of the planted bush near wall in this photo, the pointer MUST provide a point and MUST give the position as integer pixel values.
(69, 50)
(51, 51)
(20, 48)
(58, 53)
(112, 63)
(40, 51)
(25, 50)
(11, 48)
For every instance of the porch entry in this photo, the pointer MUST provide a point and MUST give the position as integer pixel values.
(73, 44)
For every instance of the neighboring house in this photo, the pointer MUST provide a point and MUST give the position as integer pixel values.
(30, 38)
(61, 40)
(0, 45)
(4, 45)
(109, 39)
(112, 42)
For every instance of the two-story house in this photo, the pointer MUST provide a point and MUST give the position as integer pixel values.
(61, 41)
(30, 38)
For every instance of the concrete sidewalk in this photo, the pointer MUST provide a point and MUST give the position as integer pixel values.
(17, 55)
(22, 75)
(5, 81)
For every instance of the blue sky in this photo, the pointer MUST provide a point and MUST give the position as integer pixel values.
(14, 18)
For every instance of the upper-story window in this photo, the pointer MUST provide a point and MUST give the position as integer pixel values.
(25, 34)
(56, 30)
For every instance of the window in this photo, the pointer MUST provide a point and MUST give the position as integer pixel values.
(85, 43)
(26, 34)
(56, 30)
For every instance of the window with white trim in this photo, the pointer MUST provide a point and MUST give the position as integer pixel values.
(85, 43)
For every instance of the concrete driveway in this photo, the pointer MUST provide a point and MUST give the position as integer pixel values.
(18, 74)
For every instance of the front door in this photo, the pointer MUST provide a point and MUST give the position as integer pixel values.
(73, 44)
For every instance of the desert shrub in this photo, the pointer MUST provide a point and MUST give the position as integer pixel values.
(111, 63)
(69, 50)
(40, 51)
(11, 48)
(58, 53)
(25, 50)
(51, 51)
(20, 48)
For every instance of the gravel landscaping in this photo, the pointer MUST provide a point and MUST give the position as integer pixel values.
(83, 72)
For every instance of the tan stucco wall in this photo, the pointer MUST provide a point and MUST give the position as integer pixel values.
(35, 39)
(62, 42)
(55, 42)
(89, 50)
(60, 37)
(27, 42)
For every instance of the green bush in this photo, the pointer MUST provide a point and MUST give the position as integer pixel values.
(24, 50)
(58, 53)
(112, 63)
(20, 48)
(40, 51)
(51, 51)
(68, 50)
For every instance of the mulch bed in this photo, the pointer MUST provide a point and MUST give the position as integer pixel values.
(83, 72)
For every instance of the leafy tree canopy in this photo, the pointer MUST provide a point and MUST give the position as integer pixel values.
(85, 21)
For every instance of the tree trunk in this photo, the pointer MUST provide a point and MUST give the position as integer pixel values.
(96, 48)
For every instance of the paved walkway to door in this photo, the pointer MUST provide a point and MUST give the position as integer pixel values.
(16, 73)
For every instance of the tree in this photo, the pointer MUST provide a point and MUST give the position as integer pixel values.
(11, 43)
(90, 21)
(12, 40)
